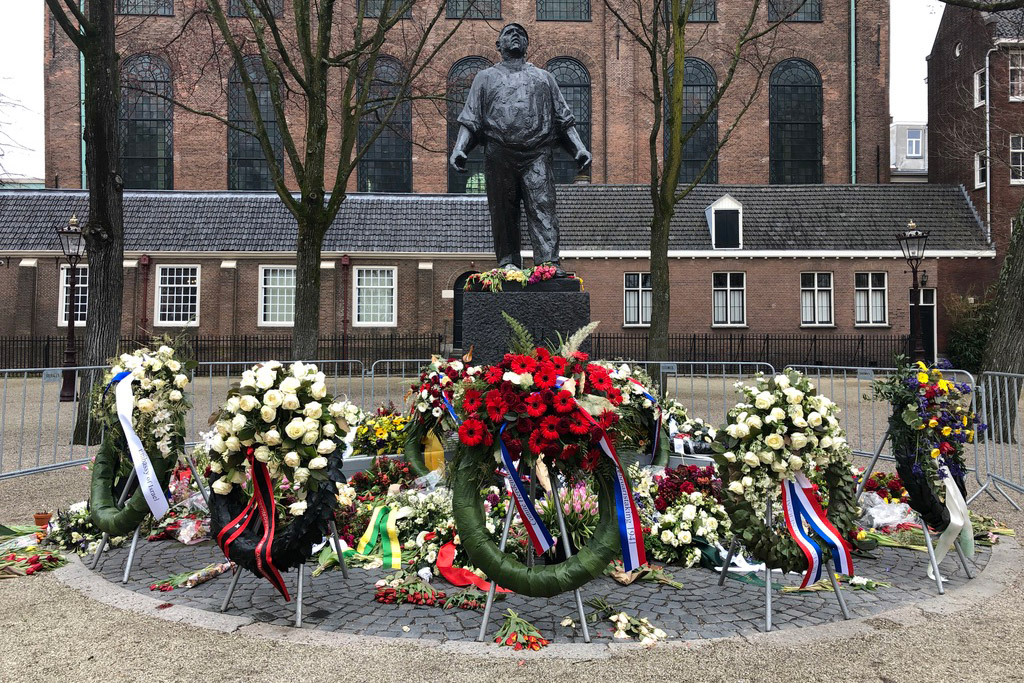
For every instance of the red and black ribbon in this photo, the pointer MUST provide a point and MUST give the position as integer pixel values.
(262, 501)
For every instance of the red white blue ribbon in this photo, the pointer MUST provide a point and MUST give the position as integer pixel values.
(656, 436)
(800, 504)
(539, 534)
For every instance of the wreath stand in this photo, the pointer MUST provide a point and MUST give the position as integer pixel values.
(768, 575)
(924, 527)
(530, 559)
(300, 570)
(128, 490)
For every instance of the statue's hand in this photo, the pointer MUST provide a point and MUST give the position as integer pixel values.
(583, 159)
(458, 161)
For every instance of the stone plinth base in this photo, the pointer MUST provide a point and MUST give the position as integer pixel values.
(544, 314)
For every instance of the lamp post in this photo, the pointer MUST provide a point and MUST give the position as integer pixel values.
(913, 242)
(73, 246)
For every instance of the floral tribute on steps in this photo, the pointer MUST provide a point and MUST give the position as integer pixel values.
(783, 447)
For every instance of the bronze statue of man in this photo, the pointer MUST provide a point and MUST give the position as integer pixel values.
(518, 113)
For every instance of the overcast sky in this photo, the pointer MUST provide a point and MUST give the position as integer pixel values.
(913, 25)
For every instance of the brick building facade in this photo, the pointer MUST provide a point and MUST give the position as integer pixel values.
(597, 47)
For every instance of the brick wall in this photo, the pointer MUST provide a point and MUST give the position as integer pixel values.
(620, 86)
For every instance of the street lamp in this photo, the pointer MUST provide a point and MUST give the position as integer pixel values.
(73, 246)
(913, 242)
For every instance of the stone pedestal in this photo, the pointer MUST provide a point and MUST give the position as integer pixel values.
(546, 309)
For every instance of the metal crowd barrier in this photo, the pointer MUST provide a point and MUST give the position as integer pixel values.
(999, 408)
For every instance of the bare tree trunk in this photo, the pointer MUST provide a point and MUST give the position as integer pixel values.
(307, 293)
(657, 338)
(104, 229)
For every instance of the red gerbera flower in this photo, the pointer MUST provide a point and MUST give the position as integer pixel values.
(569, 452)
(543, 354)
(493, 374)
(536, 442)
(580, 356)
(563, 401)
(579, 425)
(549, 427)
(545, 377)
(558, 363)
(535, 406)
(607, 419)
(471, 401)
(471, 432)
(615, 396)
(496, 410)
(598, 378)
(521, 364)
(591, 459)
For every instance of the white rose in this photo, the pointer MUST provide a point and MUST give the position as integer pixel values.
(798, 441)
(795, 462)
(180, 381)
(667, 536)
(233, 443)
(324, 447)
(231, 405)
(174, 396)
(318, 463)
(796, 411)
(764, 400)
(754, 422)
(746, 481)
(158, 383)
(248, 379)
(330, 430)
(291, 459)
(165, 350)
(222, 486)
(216, 467)
(297, 509)
(290, 385)
(794, 396)
(685, 537)
(814, 419)
(268, 414)
(262, 453)
(751, 459)
(273, 398)
(781, 381)
(736, 487)
(301, 475)
(299, 369)
(774, 441)
(248, 403)
(689, 512)
(310, 437)
(313, 410)
(290, 402)
(738, 431)
(336, 409)
(779, 466)
(272, 437)
(729, 456)
(799, 422)
(146, 405)
(237, 477)
(318, 390)
(173, 365)
(826, 442)
(295, 429)
(218, 444)
(238, 423)
(265, 378)
(776, 415)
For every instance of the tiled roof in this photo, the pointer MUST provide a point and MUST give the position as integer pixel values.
(1008, 24)
(593, 217)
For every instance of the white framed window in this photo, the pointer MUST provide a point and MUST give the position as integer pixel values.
(177, 296)
(980, 170)
(980, 94)
(816, 299)
(375, 297)
(871, 299)
(636, 299)
(73, 298)
(914, 143)
(1017, 75)
(277, 296)
(728, 299)
(1017, 159)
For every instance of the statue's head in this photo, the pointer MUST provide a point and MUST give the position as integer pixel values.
(513, 41)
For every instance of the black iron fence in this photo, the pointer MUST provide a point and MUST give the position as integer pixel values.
(778, 349)
(48, 352)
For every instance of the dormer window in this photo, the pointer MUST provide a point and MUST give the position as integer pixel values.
(725, 221)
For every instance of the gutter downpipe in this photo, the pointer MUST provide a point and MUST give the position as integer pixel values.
(988, 148)
(853, 92)
(81, 98)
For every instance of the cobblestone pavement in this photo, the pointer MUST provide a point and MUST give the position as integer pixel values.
(699, 610)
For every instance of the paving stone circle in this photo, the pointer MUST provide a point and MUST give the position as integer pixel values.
(701, 609)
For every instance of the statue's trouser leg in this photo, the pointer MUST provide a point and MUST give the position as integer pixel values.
(539, 202)
(503, 202)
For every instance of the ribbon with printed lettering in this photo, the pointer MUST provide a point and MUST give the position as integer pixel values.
(151, 489)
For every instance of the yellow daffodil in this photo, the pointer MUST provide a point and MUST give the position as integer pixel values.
(946, 431)
(933, 423)
(861, 535)
(935, 452)
(921, 365)
(945, 385)
(922, 377)
(965, 420)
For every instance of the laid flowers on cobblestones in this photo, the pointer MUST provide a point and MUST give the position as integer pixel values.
(857, 583)
(27, 561)
(192, 578)
(398, 589)
(626, 626)
(73, 530)
(519, 634)
(694, 521)
(782, 429)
